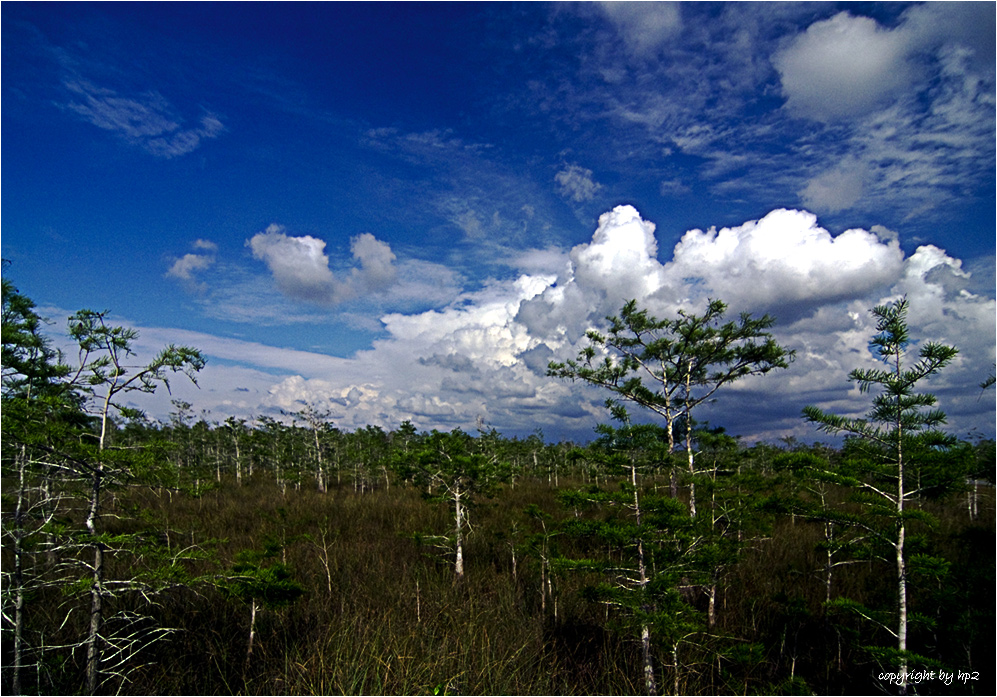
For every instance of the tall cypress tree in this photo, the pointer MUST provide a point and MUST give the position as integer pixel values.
(104, 375)
(643, 545)
(451, 469)
(672, 366)
(901, 427)
(37, 407)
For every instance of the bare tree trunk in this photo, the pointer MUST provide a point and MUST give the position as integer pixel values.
(675, 668)
(645, 630)
(673, 480)
(688, 443)
(418, 603)
(459, 515)
(902, 590)
(238, 462)
(972, 498)
(320, 467)
(692, 471)
(252, 633)
(550, 581)
(325, 562)
(543, 589)
(901, 534)
(645, 640)
(97, 589)
(829, 566)
(711, 614)
(18, 579)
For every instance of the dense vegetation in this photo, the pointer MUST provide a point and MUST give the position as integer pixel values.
(291, 557)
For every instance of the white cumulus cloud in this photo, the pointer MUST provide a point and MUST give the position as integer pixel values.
(785, 263)
(300, 266)
(186, 267)
(618, 263)
(849, 65)
(377, 271)
(819, 286)
(844, 66)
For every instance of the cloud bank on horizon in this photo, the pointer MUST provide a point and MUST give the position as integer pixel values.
(483, 356)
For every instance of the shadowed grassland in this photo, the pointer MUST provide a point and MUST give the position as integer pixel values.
(381, 613)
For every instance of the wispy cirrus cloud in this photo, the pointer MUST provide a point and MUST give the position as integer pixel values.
(145, 119)
(114, 90)
(786, 102)
(645, 27)
(495, 206)
(904, 157)
(576, 182)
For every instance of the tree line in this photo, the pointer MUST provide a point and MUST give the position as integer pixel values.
(642, 537)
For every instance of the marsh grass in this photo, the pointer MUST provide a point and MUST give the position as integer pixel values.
(395, 621)
(382, 614)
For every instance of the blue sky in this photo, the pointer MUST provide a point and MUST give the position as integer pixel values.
(403, 211)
